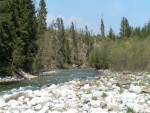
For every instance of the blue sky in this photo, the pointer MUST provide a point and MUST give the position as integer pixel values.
(89, 12)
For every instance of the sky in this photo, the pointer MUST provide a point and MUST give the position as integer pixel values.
(90, 12)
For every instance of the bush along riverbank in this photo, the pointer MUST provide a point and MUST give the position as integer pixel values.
(113, 92)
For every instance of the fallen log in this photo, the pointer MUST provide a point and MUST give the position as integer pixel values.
(25, 75)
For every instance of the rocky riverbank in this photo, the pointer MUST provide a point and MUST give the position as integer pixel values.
(111, 93)
(17, 77)
(10, 79)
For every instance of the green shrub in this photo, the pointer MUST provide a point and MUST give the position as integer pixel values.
(88, 92)
(130, 110)
(94, 98)
(121, 91)
(122, 54)
(104, 95)
(99, 56)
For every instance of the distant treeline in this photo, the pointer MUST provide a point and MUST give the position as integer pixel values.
(27, 43)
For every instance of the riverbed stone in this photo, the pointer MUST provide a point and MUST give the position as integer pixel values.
(147, 110)
(95, 103)
(34, 101)
(146, 90)
(29, 111)
(114, 108)
(103, 105)
(43, 110)
(14, 96)
(148, 102)
(98, 110)
(138, 108)
(2, 103)
(38, 107)
(135, 89)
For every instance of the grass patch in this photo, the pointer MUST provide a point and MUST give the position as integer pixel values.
(130, 110)
(121, 91)
(88, 92)
(140, 84)
(97, 84)
(104, 95)
(94, 98)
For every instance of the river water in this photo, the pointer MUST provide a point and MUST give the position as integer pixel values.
(58, 77)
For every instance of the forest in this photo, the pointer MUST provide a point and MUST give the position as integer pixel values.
(28, 43)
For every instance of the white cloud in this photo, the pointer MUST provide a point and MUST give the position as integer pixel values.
(67, 20)
(50, 18)
(79, 22)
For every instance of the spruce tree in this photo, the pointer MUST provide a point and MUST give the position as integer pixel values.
(60, 35)
(124, 28)
(42, 27)
(41, 16)
(67, 52)
(88, 41)
(6, 39)
(111, 34)
(102, 28)
(74, 42)
(26, 31)
(18, 35)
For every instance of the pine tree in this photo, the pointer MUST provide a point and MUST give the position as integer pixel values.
(42, 28)
(74, 42)
(102, 28)
(41, 16)
(111, 34)
(67, 52)
(60, 35)
(26, 31)
(6, 32)
(125, 28)
(18, 35)
(88, 41)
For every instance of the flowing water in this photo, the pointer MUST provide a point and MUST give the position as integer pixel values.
(60, 76)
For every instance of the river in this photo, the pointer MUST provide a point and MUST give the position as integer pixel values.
(58, 77)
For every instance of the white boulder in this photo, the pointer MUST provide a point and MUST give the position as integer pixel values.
(135, 89)
(44, 110)
(95, 104)
(38, 107)
(2, 103)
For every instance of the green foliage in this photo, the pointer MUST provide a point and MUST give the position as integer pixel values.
(88, 92)
(99, 56)
(25, 42)
(121, 90)
(67, 52)
(74, 43)
(102, 28)
(140, 84)
(18, 35)
(130, 110)
(94, 98)
(104, 95)
(125, 28)
(41, 17)
(111, 34)
(130, 54)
